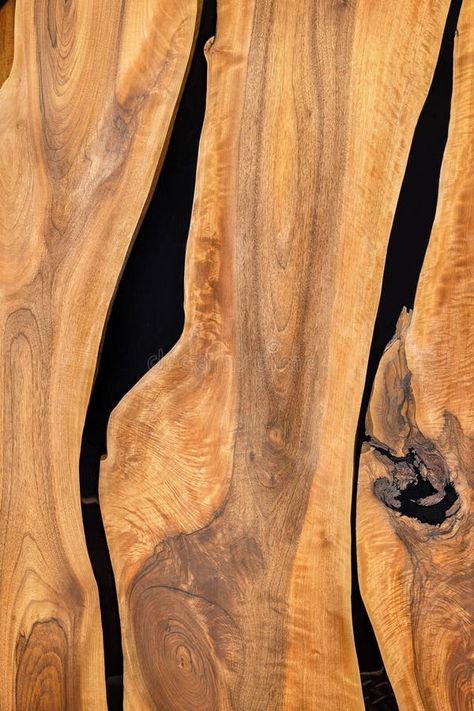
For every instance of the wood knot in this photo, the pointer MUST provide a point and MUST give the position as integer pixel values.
(415, 489)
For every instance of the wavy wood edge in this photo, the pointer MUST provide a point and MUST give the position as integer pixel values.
(226, 492)
(415, 498)
(7, 26)
(84, 119)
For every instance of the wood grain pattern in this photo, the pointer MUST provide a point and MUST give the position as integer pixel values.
(84, 117)
(416, 488)
(7, 25)
(226, 492)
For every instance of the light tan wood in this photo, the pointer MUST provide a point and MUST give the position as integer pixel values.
(7, 24)
(226, 492)
(84, 118)
(417, 576)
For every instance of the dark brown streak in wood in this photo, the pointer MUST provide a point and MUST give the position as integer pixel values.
(277, 415)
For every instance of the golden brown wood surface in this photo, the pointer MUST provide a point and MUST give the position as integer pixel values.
(84, 117)
(7, 17)
(226, 492)
(416, 488)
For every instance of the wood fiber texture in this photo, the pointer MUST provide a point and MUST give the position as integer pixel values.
(84, 118)
(416, 483)
(226, 492)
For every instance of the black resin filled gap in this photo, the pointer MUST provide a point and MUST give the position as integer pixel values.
(407, 246)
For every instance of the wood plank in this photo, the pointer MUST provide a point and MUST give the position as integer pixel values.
(84, 118)
(227, 488)
(7, 24)
(416, 486)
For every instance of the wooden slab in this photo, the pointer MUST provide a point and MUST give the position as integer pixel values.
(227, 488)
(416, 486)
(84, 117)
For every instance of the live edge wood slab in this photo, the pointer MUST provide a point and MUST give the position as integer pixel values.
(416, 484)
(84, 118)
(227, 487)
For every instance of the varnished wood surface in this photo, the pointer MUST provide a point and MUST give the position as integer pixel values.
(84, 117)
(7, 24)
(226, 491)
(416, 488)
